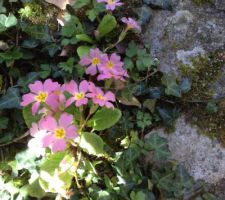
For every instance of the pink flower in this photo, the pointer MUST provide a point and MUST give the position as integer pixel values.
(94, 60)
(79, 94)
(111, 4)
(131, 23)
(41, 93)
(58, 132)
(100, 98)
(112, 68)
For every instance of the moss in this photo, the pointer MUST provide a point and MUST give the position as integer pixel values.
(200, 2)
(205, 71)
(38, 13)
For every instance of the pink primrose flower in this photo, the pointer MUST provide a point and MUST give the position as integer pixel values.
(79, 93)
(58, 132)
(112, 68)
(101, 98)
(111, 4)
(131, 23)
(93, 60)
(41, 93)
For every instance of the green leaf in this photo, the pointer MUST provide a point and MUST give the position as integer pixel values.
(167, 183)
(3, 122)
(185, 85)
(68, 65)
(211, 107)
(72, 26)
(35, 190)
(29, 78)
(128, 63)
(84, 38)
(107, 24)
(158, 145)
(172, 88)
(81, 3)
(104, 118)
(25, 160)
(11, 99)
(28, 117)
(83, 50)
(131, 51)
(52, 162)
(7, 22)
(15, 54)
(10, 21)
(92, 144)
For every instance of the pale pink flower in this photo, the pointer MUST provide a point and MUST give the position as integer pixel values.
(41, 93)
(58, 132)
(111, 4)
(79, 93)
(112, 68)
(131, 23)
(93, 60)
(101, 98)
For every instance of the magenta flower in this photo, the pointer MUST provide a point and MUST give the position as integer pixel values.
(58, 132)
(41, 93)
(79, 94)
(112, 68)
(111, 4)
(131, 23)
(93, 60)
(100, 98)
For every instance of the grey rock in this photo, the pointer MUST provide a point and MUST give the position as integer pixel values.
(188, 27)
(162, 4)
(220, 4)
(202, 157)
(177, 37)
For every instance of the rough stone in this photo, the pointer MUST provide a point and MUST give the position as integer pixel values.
(203, 158)
(176, 37)
(188, 27)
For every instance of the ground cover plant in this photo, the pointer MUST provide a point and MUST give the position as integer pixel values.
(79, 92)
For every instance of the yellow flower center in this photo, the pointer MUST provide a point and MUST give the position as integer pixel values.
(60, 133)
(41, 97)
(111, 2)
(79, 96)
(95, 61)
(100, 97)
(109, 65)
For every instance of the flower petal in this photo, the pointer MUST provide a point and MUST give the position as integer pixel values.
(36, 87)
(83, 87)
(27, 99)
(65, 120)
(58, 145)
(35, 107)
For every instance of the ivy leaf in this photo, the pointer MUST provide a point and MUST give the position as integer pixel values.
(92, 144)
(172, 88)
(104, 119)
(3, 122)
(167, 183)
(185, 85)
(52, 162)
(25, 160)
(107, 24)
(131, 51)
(68, 65)
(158, 145)
(81, 3)
(7, 22)
(11, 99)
(29, 78)
(72, 26)
(28, 117)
